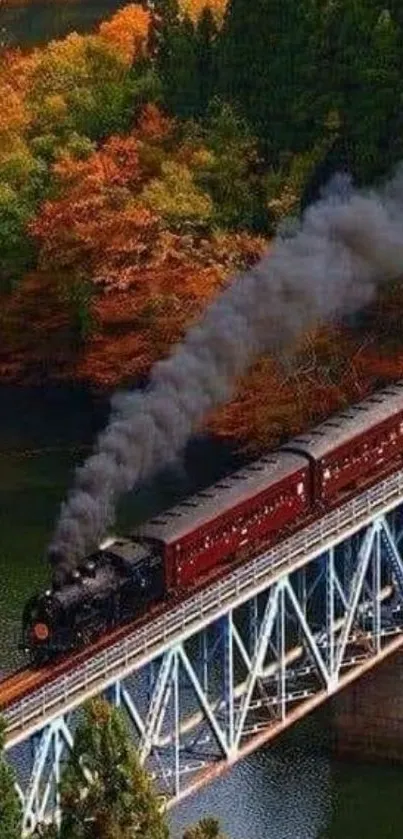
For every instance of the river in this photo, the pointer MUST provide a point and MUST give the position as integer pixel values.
(292, 790)
(41, 20)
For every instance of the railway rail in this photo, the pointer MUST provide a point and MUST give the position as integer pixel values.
(30, 699)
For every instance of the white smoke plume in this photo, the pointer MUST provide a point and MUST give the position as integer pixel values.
(345, 245)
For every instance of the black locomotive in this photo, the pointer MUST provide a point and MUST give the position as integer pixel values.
(225, 523)
(111, 586)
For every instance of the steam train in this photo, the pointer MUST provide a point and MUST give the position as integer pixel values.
(250, 509)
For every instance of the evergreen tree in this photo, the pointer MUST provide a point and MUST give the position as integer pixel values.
(10, 809)
(266, 63)
(105, 793)
(206, 35)
(360, 79)
(206, 828)
(174, 48)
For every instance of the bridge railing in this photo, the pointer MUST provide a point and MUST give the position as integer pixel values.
(143, 644)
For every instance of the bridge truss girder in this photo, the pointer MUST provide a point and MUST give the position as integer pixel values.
(225, 690)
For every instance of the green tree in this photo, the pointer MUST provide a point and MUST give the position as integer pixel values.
(176, 61)
(266, 64)
(16, 250)
(184, 57)
(232, 171)
(10, 809)
(207, 828)
(206, 42)
(105, 793)
(359, 68)
(175, 197)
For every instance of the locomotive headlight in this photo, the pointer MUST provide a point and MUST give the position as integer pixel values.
(40, 631)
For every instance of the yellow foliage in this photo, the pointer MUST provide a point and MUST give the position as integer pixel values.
(128, 32)
(176, 197)
(13, 116)
(194, 8)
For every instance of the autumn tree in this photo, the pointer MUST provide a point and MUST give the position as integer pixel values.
(197, 8)
(128, 31)
(131, 224)
(10, 809)
(90, 84)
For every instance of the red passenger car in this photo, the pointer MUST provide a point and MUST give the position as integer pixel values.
(212, 527)
(356, 446)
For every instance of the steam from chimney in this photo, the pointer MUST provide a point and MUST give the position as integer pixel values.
(345, 245)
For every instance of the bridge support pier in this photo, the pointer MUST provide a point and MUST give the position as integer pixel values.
(368, 715)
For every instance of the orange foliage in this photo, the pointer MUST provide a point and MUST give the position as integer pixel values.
(194, 8)
(14, 114)
(149, 282)
(329, 370)
(128, 32)
(153, 125)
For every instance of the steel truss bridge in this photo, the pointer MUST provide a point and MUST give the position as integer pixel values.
(218, 675)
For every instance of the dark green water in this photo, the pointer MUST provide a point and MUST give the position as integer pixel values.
(39, 22)
(292, 790)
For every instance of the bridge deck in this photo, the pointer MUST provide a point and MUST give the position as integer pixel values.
(68, 684)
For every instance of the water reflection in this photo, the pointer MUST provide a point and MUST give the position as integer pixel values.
(281, 792)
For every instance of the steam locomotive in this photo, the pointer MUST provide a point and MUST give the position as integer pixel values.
(226, 523)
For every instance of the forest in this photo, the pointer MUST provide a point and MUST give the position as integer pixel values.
(144, 165)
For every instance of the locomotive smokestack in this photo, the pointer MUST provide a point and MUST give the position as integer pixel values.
(344, 247)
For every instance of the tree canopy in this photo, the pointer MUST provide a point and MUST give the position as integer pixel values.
(105, 793)
(142, 164)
